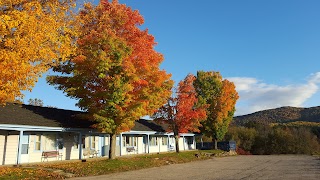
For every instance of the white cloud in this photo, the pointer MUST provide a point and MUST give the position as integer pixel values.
(256, 95)
(315, 78)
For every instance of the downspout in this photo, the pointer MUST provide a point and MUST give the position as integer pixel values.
(109, 145)
(5, 149)
(137, 141)
(159, 144)
(148, 144)
(168, 141)
(120, 144)
(100, 144)
(194, 142)
(201, 142)
(19, 148)
(80, 145)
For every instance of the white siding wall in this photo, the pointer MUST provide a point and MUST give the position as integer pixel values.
(154, 148)
(143, 148)
(118, 143)
(137, 147)
(70, 151)
(12, 149)
(163, 147)
(159, 147)
(34, 155)
(181, 144)
(172, 143)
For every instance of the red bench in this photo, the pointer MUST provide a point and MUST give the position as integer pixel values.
(51, 154)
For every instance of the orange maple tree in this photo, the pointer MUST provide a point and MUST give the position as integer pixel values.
(34, 35)
(115, 74)
(220, 96)
(182, 113)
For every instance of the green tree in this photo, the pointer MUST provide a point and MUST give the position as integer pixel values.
(35, 102)
(220, 96)
(244, 137)
(115, 74)
(182, 113)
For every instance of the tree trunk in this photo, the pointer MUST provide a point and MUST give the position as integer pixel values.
(176, 137)
(112, 150)
(215, 143)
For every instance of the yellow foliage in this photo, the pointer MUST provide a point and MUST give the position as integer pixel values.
(34, 35)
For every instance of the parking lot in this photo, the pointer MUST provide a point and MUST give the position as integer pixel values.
(235, 167)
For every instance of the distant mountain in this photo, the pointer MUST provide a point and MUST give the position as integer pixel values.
(281, 115)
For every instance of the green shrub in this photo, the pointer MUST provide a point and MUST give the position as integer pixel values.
(264, 139)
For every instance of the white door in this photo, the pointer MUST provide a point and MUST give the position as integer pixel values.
(145, 144)
(103, 148)
(25, 149)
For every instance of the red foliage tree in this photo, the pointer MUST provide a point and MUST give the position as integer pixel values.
(182, 113)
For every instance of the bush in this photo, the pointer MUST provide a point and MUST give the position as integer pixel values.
(243, 136)
(240, 151)
(263, 139)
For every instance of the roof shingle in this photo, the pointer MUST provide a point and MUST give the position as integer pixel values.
(20, 114)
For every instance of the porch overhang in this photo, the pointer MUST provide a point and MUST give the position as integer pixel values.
(14, 127)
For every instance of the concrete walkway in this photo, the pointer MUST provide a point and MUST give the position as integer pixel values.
(284, 167)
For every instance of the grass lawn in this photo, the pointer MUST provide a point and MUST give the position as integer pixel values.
(99, 166)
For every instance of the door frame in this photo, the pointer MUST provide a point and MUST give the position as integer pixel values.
(25, 140)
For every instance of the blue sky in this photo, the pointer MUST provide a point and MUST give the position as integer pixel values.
(269, 48)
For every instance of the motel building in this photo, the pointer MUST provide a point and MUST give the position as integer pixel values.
(30, 134)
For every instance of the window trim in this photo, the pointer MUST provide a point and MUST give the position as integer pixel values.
(189, 139)
(92, 140)
(156, 140)
(133, 141)
(164, 141)
(35, 143)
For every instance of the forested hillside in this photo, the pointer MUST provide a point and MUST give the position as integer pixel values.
(285, 130)
(281, 115)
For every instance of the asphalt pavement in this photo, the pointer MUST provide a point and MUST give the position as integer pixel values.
(282, 167)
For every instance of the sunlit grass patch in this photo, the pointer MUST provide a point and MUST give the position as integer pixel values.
(26, 173)
(106, 166)
(102, 166)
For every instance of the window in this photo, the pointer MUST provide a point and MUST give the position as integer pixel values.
(24, 144)
(117, 140)
(129, 141)
(92, 142)
(153, 141)
(75, 142)
(37, 142)
(83, 142)
(60, 141)
(164, 141)
(189, 140)
(172, 140)
(124, 139)
(145, 140)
